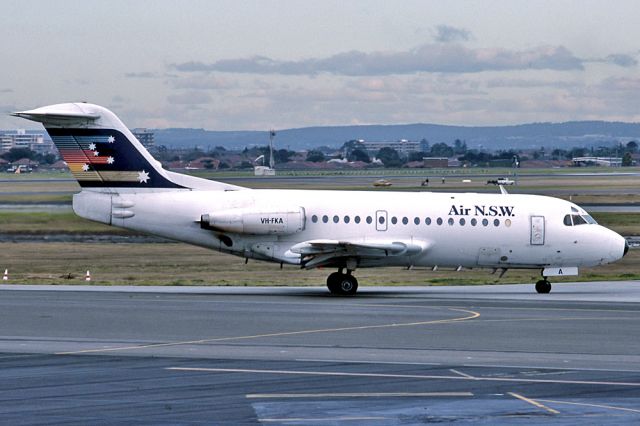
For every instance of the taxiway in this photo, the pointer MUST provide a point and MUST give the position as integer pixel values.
(295, 355)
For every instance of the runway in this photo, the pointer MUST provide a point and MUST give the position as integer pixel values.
(296, 355)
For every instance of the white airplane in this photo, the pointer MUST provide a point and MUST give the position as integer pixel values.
(124, 186)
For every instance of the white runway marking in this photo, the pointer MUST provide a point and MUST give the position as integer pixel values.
(400, 376)
(472, 315)
(321, 419)
(454, 371)
(534, 403)
(357, 395)
(584, 404)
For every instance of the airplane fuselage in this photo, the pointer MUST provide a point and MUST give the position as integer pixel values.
(451, 229)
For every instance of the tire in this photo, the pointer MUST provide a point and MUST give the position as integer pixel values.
(348, 285)
(543, 286)
(333, 282)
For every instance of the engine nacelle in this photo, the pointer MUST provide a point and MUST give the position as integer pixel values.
(257, 220)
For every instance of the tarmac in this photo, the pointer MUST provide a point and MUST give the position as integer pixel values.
(296, 355)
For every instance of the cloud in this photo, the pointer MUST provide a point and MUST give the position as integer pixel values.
(528, 83)
(622, 60)
(190, 98)
(6, 90)
(143, 74)
(442, 57)
(447, 34)
(212, 82)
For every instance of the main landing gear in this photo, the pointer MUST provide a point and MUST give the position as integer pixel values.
(342, 284)
(543, 286)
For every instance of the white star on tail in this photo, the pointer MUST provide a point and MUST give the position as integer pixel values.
(110, 160)
(85, 167)
(143, 176)
(95, 153)
(92, 147)
(111, 139)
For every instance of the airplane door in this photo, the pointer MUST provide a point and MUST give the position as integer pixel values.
(381, 220)
(537, 230)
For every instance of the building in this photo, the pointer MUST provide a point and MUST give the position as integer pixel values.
(402, 146)
(436, 162)
(21, 139)
(145, 136)
(598, 161)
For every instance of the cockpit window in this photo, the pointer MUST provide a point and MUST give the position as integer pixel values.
(576, 219)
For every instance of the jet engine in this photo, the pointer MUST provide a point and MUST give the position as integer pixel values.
(256, 220)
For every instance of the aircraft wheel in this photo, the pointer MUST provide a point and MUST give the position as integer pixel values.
(348, 284)
(543, 286)
(333, 282)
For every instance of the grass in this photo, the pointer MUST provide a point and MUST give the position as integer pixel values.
(181, 264)
(52, 222)
(627, 224)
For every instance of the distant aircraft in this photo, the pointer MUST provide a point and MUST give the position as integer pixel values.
(124, 186)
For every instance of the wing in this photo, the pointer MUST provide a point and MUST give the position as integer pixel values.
(316, 253)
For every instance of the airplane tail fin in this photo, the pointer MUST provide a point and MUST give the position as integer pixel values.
(101, 152)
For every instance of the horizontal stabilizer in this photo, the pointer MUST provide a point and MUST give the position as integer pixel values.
(59, 114)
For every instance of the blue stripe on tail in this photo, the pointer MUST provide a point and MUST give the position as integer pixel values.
(106, 158)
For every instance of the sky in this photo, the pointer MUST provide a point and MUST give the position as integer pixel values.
(255, 65)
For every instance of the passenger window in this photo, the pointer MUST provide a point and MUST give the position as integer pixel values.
(369, 220)
(405, 220)
(325, 218)
(507, 222)
(485, 222)
(427, 221)
(474, 222)
(567, 220)
(462, 221)
(496, 222)
(381, 220)
(314, 218)
(356, 219)
(416, 221)
(394, 220)
(336, 219)
(347, 219)
(450, 221)
(439, 221)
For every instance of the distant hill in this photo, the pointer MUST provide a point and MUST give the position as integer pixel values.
(533, 135)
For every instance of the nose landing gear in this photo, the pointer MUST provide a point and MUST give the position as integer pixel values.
(543, 286)
(342, 284)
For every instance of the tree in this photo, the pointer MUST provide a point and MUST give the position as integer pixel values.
(315, 156)
(441, 149)
(416, 156)
(632, 146)
(359, 155)
(389, 157)
(627, 160)
(282, 155)
(15, 154)
(459, 147)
